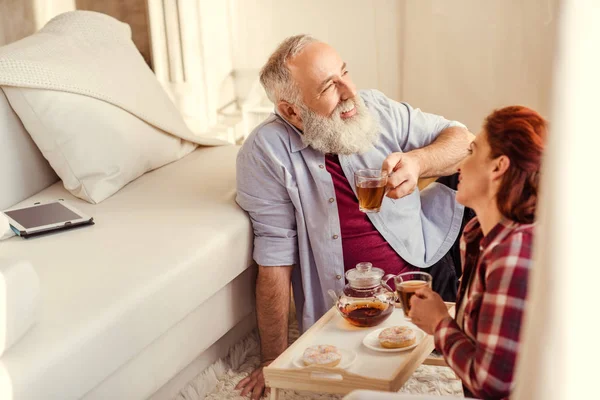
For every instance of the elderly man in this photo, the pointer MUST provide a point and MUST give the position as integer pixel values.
(295, 179)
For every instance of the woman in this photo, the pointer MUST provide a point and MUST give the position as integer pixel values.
(499, 181)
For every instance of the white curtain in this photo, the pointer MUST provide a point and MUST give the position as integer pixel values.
(191, 55)
(561, 347)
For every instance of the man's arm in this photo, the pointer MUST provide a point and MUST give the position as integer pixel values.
(272, 307)
(443, 156)
(262, 193)
(440, 158)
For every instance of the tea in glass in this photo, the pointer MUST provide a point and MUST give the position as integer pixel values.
(370, 189)
(407, 284)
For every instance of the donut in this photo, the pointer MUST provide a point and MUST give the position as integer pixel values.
(396, 337)
(323, 355)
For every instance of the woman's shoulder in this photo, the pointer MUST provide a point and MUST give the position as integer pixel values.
(514, 246)
(509, 261)
(519, 232)
(510, 231)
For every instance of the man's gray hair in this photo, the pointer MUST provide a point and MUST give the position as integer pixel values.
(276, 77)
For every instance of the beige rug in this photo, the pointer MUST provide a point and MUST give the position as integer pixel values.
(219, 380)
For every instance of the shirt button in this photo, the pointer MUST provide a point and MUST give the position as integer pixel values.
(335, 237)
(331, 200)
(338, 277)
(321, 166)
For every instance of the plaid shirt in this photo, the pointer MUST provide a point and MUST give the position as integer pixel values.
(484, 349)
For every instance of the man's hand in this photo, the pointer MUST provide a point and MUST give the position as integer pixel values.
(404, 170)
(254, 383)
(427, 310)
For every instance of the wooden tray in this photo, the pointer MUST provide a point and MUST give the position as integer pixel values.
(371, 370)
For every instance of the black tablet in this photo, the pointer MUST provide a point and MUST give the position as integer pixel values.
(45, 217)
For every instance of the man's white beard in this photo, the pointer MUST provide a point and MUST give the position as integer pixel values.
(338, 136)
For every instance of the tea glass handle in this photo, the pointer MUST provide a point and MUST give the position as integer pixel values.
(384, 281)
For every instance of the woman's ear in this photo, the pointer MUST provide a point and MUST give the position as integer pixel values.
(501, 165)
(291, 113)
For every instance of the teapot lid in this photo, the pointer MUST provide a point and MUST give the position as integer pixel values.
(364, 276)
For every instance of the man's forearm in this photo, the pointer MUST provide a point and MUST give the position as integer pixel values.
(272, 307)
(442, 157)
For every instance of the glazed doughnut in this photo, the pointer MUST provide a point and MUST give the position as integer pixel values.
(323, 355)
(396, 337)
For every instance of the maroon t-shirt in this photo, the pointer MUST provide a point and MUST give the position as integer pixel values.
(361, 241)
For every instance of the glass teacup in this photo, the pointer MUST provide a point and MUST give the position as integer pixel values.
(370, 189)
(407, 284)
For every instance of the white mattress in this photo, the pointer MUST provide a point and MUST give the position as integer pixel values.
(160, 247)
(184, 345)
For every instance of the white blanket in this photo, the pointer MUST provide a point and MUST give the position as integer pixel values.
(71, 54)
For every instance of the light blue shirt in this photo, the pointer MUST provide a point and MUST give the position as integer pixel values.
(288, 193)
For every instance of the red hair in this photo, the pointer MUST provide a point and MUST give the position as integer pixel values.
(518, 133)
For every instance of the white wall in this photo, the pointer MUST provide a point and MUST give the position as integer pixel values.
(463, 58)
(366, 33)
(459, 58)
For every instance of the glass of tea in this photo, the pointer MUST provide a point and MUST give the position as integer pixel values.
(407, 284)
(370, 189)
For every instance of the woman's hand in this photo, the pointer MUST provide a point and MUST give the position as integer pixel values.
(427, 310)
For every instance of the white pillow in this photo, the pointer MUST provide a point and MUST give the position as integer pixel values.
(92, 105)
(95, 147)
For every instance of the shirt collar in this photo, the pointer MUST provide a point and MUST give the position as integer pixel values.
(473, 232)
(296, 143)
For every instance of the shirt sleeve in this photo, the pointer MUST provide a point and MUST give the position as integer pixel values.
(262, 193)
(486, 366)
(415, 128)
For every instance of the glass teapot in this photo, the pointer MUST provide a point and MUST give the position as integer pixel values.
(364, 301)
